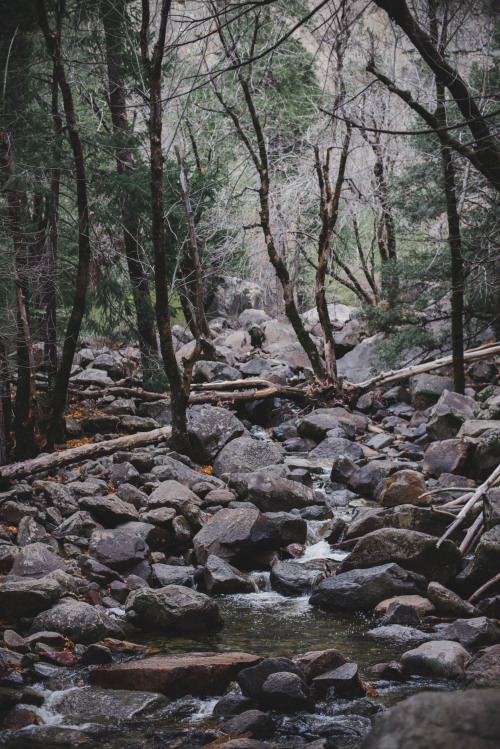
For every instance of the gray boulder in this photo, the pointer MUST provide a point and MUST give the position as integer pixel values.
(332, 447)
(232, 296)
(28, 597)
(294, 579)
(171, 574)
(36, 560)
(271, 493)
(426, 389)
(286, 692)
(171, 493)
(472, 633)
(110, 509)
(439, 659)
(209, 429)
(448, 415)
(364, 588)
(78, 621)
(448, 456)
(448, 603)
(483, 671)
(235, 535)
(484, 565)
(174, 608)
(214, 371)
(117, 549)
(222, 578)
(439, 720)
(246, 454)
(491, 508)
(404, 488)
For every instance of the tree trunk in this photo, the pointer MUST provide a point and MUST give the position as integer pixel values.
(55, 430)
(5, 405)
(112, 18)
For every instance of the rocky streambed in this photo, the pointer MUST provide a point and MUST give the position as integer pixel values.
(293, 594)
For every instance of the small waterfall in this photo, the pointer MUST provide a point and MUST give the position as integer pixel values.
(261, 581)
(316, 546)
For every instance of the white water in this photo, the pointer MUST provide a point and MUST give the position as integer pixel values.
(321, 550)
(48, 713)
(204, 709)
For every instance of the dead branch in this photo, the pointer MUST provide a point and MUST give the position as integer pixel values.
(484, 588)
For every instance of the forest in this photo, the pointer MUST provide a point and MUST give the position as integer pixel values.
(249, 371)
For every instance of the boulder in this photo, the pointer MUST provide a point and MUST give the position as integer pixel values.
(255, 722)
(117, 549)
(483, 671)
(233, 295)
(294, 579)
(400, 633)
(448, 456)
(60, 496)
(252, 679)
(439, 720)
(332, 447)
(366, 478)
(198, 674)
(171, 574)
(93, 377)
(487, 455)
(421, 605)
(442, 659)
(344, 679)
(221, 577)
(426, 389)
(357, 364)
(448, 415)
(235, 535)
(29, 532)
(286, 692)
(28, 597)
(108, 705)
(78, 621)
(472, 633)
(362, 589)
(404, 488)
(317, 662)
(448, 603)
(484, 565)
(209, 429)
(36, 560)
(214, 371)
(170, 469)
(271, 493)
(172, 494)
(110, 509)
(411, 549)
(233, 704)
(491, 508)
(291, 528)
(246, 454)
(173, 608)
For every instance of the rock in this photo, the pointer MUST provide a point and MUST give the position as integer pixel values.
(170, 469)
(483, 670)
(477, 427)
(415, 551)
(448, 415)
(8, 554)
(255, 722)
(20, 717)
(439, 659)
(423, 519)
(29, 532)
(78, 621)
(131, 424)
(404, 488)
(286, 692)
(110, 509)
(221, 577)
(36, 560)
(472, 633)
(392, 671)
(232, 296)
(439, 720)
(93, 377)
(100, 423)
(173, 494)
(448, 603)
(251, 679)
(357, 364)
(250, 317)
(28, 597)
(246, 454)
(422, 606)
(209, 429)
(344, 679)
(96, 655)
(367, 520)
(491, 508)
(293, 579)
(174, 608)
(347, 338)
(366, 478)
(363, 588)
(117, 549)
(233, 704)
(426, 389)
(317, 424)
(399, 633)
(235, 535)
(60, 496)
(116, 704)
(485, 564)
(290, 527)
(159, 410)
(447, 456)
(332, 447)
(97, 572)
(169, 574)
(121, 407)
(338, 313)
(401, 613)
(487, 455)
(111, 363)
(175, 675)
(214, 371)
(342, 469)
(271, 493)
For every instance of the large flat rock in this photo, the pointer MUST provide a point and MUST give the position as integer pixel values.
(198, 674)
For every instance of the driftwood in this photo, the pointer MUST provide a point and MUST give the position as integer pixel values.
(474, 499)
(76, 454)
(474, 532)
(484, 588)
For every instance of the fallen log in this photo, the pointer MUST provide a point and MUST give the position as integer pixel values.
(83, 452)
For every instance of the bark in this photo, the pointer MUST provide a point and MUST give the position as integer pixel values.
(84, 452)
(152, 67)
(25, 392)
(55, 430)
(329, 211)
(50, 300)
(5, 405)
(112, 18)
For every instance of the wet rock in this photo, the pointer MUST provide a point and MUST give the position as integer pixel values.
(271, 493)
(248, 454)
(174, 608)
(199, 674)
(96, 655)
(235, 535)
(422, 606)
(448, 415)
(252, 679)
(447, 602)
(332, 447)
(233, 704)
(285, 691)
(317, 662)
(209, 429)
(447, 456)
(366, 478)
(399, 633)
(20, 717)
(426, 389)
(28, 597)
(364, 588)
(291, 528)
(439, 659)
(116, 704)
(255, 722)
(78, 621)
(472, 633)
(109, 510)
(404, 488)
(392, 671)
(246, 744)
(439, 720)
(483, 671)
(296, 579)
(117, 549)
(485, 564)
(343, 469)
(344, 679)
(221, 577)
(401, 613)
(169, 574)
(36, 560)
(414, 550)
